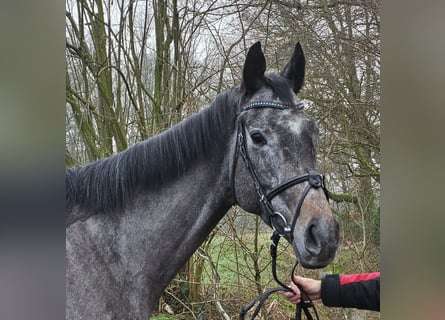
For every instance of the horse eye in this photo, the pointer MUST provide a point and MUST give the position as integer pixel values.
(258, 138)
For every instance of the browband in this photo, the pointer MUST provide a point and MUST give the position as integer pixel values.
(270, 104)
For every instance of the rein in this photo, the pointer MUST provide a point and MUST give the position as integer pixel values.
(314, 179)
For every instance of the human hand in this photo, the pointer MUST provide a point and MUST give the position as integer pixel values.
(311, 287)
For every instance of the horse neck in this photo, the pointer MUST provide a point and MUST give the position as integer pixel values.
(168, 224)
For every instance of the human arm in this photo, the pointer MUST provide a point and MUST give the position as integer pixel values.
(361, 291)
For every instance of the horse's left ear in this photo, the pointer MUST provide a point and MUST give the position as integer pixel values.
(294, 70)
(254, 68)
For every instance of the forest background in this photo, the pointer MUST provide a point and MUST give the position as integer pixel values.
(136, 68)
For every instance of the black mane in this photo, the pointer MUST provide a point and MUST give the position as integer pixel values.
(109, 184)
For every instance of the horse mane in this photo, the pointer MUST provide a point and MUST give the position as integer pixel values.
(107, 185)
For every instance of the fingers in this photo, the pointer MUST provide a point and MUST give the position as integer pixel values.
(300, 280)
(292, 297)
(311, 287)
(295, 288)
(295, 296)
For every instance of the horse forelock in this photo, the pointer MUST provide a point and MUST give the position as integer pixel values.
(108, 185)
(280, 87)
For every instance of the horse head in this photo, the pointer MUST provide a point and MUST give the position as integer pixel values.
(274, 169)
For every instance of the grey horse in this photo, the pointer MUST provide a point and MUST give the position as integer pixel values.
(134, 219)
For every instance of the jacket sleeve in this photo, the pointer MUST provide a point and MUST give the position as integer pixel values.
(361, 291)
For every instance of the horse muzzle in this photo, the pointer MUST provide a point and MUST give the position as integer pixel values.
(316, 244)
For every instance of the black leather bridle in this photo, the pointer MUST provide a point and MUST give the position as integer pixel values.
(314, 179)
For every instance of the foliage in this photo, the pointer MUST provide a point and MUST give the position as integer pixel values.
(232, 255)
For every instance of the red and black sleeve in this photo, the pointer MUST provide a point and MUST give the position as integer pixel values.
(361, 291)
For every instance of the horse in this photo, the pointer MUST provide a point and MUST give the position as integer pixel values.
(134, 219)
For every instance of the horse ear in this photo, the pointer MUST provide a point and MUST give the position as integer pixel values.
(294, 70)
(254, 68)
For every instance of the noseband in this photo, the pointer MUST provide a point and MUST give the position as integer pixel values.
(314, 179)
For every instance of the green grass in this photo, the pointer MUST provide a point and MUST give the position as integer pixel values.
(234, 262)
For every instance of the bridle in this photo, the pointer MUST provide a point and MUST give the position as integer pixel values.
(314, 179)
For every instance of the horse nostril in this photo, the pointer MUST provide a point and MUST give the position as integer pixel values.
(311, 240)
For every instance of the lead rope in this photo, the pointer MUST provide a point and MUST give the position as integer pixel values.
(302, 306)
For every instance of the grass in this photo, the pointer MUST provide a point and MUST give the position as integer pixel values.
(237, 283)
